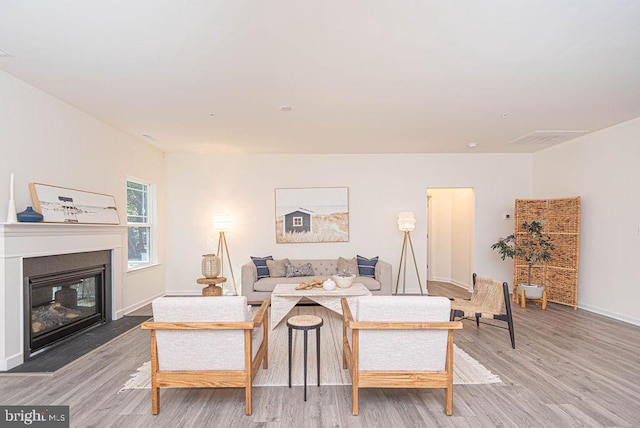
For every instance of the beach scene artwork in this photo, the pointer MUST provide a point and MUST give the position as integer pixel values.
(63, 205)
(305, 215)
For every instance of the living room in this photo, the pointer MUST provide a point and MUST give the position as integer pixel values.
(599, 167)
(48, 140)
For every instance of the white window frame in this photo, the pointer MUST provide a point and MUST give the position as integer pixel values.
(298, 222)
(150, 223)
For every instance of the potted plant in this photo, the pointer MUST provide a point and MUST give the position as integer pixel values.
(534, 247)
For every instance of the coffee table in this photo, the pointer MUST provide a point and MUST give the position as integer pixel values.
(285, 296)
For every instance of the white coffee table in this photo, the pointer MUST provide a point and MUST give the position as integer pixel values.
(285, 296)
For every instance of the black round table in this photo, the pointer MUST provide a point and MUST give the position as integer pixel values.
(305, 323)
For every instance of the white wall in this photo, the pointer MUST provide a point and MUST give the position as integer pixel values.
(603, 169)
(199, 186)
(45, 140)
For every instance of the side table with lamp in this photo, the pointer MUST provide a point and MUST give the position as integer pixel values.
(210, 271)
(212, 289)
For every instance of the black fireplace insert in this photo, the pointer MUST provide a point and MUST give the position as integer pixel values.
(60, 302)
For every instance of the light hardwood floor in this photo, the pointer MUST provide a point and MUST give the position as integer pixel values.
(569, 369)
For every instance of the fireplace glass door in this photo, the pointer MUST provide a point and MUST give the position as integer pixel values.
(64, 303)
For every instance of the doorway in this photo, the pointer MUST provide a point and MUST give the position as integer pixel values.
(450, 235)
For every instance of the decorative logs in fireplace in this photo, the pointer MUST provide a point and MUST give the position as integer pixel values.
(51, 316)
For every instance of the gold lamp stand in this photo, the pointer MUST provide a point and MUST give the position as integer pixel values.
(222, 250)
(406, 223)
(222, 222)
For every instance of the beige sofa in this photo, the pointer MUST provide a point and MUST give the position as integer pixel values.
(257, 290)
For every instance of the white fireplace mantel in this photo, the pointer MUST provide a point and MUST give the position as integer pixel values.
(22, 240)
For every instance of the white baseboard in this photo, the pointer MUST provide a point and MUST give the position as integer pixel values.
(12, 361)
(609, 314)
(136, 306)
(467, 287)
(183, 293)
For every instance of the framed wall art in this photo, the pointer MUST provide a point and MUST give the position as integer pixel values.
(313, 214)
(63, 205)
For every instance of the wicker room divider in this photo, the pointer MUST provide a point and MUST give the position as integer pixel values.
(562, 224)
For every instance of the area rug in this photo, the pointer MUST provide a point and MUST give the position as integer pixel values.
(466, 369)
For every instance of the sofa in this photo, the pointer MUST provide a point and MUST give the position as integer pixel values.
(256, 290)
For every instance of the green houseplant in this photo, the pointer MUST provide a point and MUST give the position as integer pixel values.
(534, 246)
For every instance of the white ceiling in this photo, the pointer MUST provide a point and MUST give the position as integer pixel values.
(364, 76)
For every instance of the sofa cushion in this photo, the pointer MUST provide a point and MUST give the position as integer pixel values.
(268, 284)
(322, 267)
(277, 268)
(294, 271)
(372, 284)
(261, 266)
(367, 267)
(348, 265)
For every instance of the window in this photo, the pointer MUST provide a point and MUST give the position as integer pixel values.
(297, 221)
(140, 223)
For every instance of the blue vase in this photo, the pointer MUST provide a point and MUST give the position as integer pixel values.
(30, 216)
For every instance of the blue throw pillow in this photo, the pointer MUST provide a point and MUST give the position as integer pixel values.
(367, 267)
(261, 266)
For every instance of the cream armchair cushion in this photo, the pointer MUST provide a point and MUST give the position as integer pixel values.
(399, 342)
(203, 349)
(206, 342)
(397, 349)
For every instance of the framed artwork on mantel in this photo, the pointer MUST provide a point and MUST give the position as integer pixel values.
(63, 205)
(316, 214)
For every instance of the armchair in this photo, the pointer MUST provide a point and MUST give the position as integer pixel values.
(490, 299)
(206, 342)
(399, 342)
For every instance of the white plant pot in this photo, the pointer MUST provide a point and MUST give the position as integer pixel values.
(532, 291)
(343, 281)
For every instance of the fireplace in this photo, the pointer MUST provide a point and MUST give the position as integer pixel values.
(23, 243)
(64, 295)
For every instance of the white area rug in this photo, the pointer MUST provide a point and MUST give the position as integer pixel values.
(466, 370)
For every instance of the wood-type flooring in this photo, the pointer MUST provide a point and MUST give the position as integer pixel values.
(569, 369)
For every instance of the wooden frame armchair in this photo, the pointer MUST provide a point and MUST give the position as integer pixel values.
(399, 342)
(204, 342)
(490, 299)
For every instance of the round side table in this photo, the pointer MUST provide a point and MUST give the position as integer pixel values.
(305, 323)
(212, 289)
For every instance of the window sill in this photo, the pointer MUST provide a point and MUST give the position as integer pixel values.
(142, 267)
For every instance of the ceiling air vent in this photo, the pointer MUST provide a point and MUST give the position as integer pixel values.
(547, 137)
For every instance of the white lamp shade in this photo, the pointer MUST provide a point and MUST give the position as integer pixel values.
(406, 221)
(222, 222)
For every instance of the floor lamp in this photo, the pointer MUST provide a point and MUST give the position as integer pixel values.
(406, 223)
(222, 223)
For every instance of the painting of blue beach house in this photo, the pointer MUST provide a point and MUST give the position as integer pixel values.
(317, 214)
